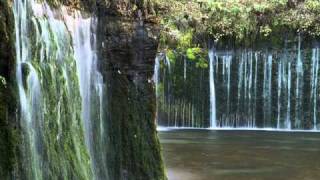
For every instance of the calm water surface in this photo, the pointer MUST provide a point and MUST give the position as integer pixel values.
(241, 155)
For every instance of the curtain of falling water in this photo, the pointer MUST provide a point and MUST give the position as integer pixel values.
(253, 89)
(314, 85)
(156, 81)
(83, 31)
(267, 91)
(299, 86)
(190, 108)
(48, 72)
(213, 122)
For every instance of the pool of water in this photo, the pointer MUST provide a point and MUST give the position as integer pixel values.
(241, 155)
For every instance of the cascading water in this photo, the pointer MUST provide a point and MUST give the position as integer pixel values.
(245, 111)
(280, 74)
(213, 122)
(91, 89)
(288, 119)
(156, 80)
(267, 91)
(187, 111)
(314, 85)
(244, 88)
(50, 63)
(299, 86)
(226, 60)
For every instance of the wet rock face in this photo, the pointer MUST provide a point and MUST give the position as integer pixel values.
(7, 100)
(127, 48)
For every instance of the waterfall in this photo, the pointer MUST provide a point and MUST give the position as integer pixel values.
(30, 96)
(314, 85)
(299, 86)
(267, 78)
(279, 93)
(58, 80)
(213, 122)
(185, 68)
(156, 80)
(244, 88)
(250, 62)
(239, 90)
(91, 88)
(227, 60)
(255, 88)
(288, 118)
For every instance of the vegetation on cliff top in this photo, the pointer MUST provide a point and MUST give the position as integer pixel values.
(188, 24)
(238, 18)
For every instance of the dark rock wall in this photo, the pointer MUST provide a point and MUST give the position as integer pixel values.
(128, 47)
(8, 104)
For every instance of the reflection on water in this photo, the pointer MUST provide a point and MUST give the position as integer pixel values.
(241, 155)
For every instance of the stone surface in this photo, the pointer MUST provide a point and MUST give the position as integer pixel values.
(128, 46)
(8, 123)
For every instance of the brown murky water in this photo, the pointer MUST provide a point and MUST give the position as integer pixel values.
(241, 155)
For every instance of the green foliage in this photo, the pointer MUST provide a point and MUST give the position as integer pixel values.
(185, 40)
(192, 53)
(202, 63)
(184, 21)
(313, 5)
(197, 55)
(265, 30)
(171, 56)
(235, 19)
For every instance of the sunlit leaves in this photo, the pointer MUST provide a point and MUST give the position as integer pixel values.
(265, 30)
(185, 40)
(171, 56)
(313, 5)
(192, 53)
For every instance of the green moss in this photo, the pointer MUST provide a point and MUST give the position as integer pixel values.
(134, 146)
(58, 120)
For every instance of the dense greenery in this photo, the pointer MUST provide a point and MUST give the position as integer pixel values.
(188, 24)
(238, 18)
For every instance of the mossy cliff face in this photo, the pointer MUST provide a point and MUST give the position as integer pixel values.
(8, 136)
(127, 36)
(49, 112)
(128, 46)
